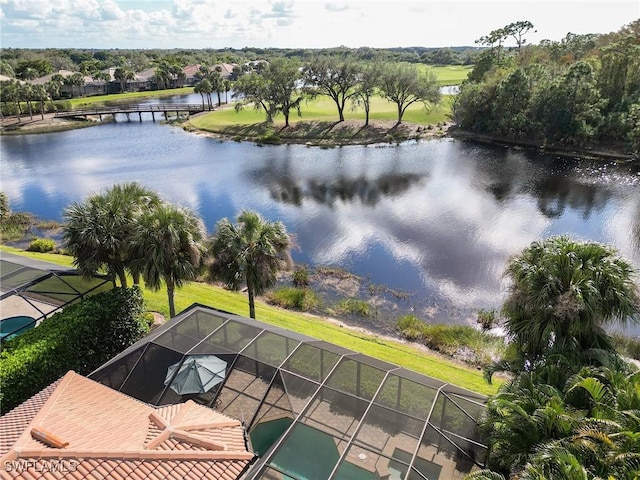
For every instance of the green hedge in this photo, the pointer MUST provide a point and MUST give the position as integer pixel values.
(81, 337)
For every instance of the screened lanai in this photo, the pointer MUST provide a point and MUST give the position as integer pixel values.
(32, 290)
(312, 410)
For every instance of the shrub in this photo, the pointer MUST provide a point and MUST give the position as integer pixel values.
(5, 210)
(81, 337)
(42, 245)
(270, 138)
(13, 226)
(301, 299)
(354, 306)
(62, 106)
(410, 327)
(486, 319)
(148, 318)
(301, 276)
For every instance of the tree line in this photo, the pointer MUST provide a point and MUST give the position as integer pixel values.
(283, 85)
(27, 64)
(276, 87)
(128, 230)
(581, 89)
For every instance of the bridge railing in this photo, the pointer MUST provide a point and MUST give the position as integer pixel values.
(133, 108)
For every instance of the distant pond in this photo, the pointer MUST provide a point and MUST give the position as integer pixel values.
(436, 219)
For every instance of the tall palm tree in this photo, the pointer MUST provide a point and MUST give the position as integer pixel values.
(41, 95)
(89, 236)
(203, 87)
(564, 293)
(251, 252)
(170, 247)
(123, 75)
(100, 232)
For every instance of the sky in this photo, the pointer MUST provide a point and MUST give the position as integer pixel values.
(104, 24)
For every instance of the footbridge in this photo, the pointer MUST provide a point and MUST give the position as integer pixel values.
(163, 108)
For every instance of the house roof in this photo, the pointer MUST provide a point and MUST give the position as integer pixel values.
(107, 434)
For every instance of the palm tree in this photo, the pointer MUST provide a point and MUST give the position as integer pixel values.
(41, 95)
(76, 79)
(26, 94)
(563, 293)
(100, 232)
(587, 429)
(89, 236)
(251, 252)
(170, 246)
(203, 87)
(226, 85)
(123, 75)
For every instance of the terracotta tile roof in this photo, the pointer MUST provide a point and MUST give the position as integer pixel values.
(14, 422)
(111, 435)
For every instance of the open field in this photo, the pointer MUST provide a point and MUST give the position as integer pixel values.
(323, 109)
(449, 74)
(405, 354)
(129, 97)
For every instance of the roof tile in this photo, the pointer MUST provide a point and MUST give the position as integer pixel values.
(112, 436)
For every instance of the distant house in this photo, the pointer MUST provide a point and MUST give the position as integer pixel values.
(90, 86)
(78, 428)
(191, 74)
(225, 69)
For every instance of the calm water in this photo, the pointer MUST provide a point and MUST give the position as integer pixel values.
(438, 219)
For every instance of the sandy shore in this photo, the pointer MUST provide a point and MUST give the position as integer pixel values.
(40, 124)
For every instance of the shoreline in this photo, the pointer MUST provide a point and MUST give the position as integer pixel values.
(331, 134)
(588, 152)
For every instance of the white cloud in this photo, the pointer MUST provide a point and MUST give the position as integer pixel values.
(299, 23)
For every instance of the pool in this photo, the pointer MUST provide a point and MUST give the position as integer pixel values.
(307, 454)
(14, 326)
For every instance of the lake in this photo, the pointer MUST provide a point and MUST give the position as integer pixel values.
(437, 219)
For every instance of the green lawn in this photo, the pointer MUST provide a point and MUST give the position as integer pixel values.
(127, 97)
(324, 109)
(404, 354)
(449, 74)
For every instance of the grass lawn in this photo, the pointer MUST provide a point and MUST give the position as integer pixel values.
(404, 354)
(127, 97)
(449, 74)
(323, 109)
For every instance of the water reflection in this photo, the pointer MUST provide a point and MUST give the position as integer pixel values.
(438, 218)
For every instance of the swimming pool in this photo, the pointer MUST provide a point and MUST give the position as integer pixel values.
(307, 454)
(14, 326)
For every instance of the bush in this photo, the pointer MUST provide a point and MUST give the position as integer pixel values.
(62, 106)
(354, 306)
(410, 327)
(458, 341)
(42, 245)
(301, 299)
(301, 276)
(270, 138)
(486, 319)
(81, 337)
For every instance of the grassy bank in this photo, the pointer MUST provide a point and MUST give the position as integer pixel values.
(128, 97)
(319, 124)
(404, 354)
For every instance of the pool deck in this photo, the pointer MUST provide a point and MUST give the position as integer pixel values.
(15, 305)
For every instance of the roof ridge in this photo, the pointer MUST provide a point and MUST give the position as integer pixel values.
(138, 454)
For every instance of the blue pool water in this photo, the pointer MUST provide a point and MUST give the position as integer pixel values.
(14, 326)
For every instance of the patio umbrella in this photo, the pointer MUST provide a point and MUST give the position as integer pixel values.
(197, 374)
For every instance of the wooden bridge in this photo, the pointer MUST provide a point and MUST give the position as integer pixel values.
(165, 108)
